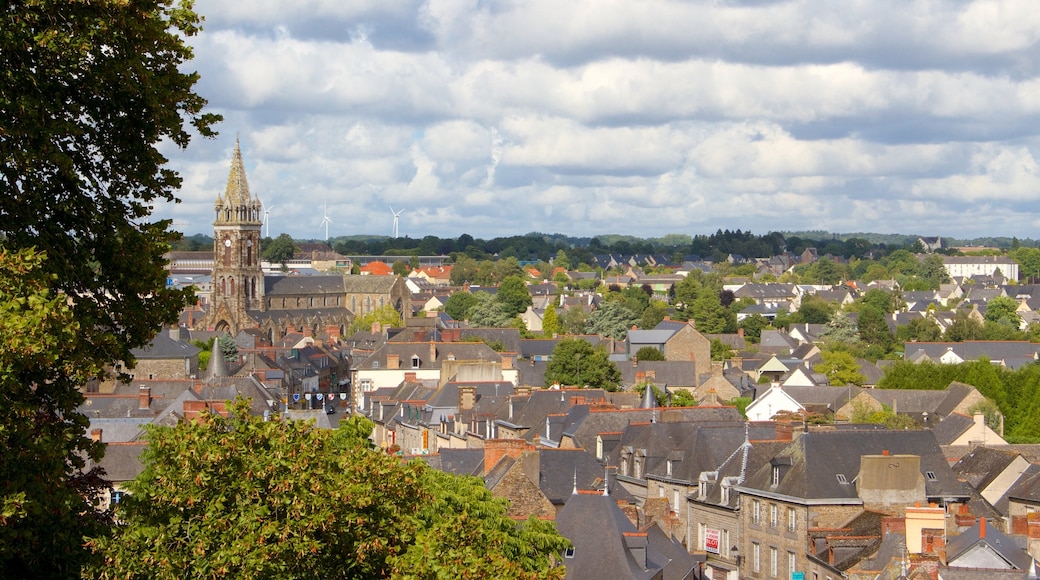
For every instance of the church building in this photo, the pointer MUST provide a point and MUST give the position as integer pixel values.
(245, 297)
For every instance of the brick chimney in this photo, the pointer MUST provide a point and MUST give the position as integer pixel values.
(144, 398)
(95, 435)
(410, 377)
(507, 363)
(496, 449)
(393, 361)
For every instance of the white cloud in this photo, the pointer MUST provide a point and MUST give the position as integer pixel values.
(596, 116)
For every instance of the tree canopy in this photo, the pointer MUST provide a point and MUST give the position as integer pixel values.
(237, 496)
(575, 362)
(88, 91)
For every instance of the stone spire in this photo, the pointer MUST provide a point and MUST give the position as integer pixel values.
(649, 398)
(237, 191)
(217, 364)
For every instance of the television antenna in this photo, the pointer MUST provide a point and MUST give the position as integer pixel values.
(397, 215)
(325, 221)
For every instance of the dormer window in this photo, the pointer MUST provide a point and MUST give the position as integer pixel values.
(415, 361)
(668, 468)
(702, 489)
(569, 552)
(776, 475)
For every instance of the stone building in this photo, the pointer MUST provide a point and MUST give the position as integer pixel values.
(243, 296)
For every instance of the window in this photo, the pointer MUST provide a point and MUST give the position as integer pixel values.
(773, 562)
(415, 361)
(774, 515)
(776, 476)
(675, 500)
(841, 478)
(756, 557)
(756, 512)
(702, 489)
(930, 475)
(791, 564)
(569, 553)
(792, 519)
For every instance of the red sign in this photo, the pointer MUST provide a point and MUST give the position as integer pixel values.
(711, 541)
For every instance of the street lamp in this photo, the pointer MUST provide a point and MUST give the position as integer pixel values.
(735, 553)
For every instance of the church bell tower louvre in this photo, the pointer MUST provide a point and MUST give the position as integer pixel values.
(238, 279)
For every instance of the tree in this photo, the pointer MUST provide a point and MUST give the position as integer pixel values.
(550, 322)
(488, 312)
(88, 92)
(720, 350)
(400, 268)
(576, 362)
(919, 330)
(459, 303)
(574, 321)
(280, 250)
(385, 315)
(612, 320)
(873, 328)
(46, 493)
(238, 496)
(753, 326)
(649, 353)
(1003, 310)
(514, 295)
(814, 310)
(840, 367)
(965, 327)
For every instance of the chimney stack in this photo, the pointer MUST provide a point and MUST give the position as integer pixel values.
(144, 398)
(95, 435)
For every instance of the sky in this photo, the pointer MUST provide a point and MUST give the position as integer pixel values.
(646, 118)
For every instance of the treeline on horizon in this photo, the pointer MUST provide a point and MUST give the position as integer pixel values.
(537, 246)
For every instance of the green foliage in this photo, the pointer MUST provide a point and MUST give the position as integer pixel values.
(873, 327)
(965, 327)
(840, 330)
(919, 330)
(246, 498)
(387, 316)
(227, 346)
(1003, 310)
(990, 411)
(861, 413)
(550, 322)
(574, 321)
(612, 320)
(464, 533)
(814, 310)
(90, 91)
(575, 362)
(488, 312)
(741, 403)
(683, 398)
(513, 295)
(399, 267)
(753, 326)
(649, 353)
(46, 494)
(280, 250)
(459, 303)
(720, 350)
(841, 368)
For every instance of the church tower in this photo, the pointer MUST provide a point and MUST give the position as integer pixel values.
(238, 279)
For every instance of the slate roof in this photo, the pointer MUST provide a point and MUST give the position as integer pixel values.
(164, 347)
(278, 285)
(457, 461)
(1001, 544)
(557, 469)
(671, 373)
(596, 527)
(819, 457)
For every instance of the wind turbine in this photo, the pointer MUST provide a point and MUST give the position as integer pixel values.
(397, 215)
(325, 221)
(267, 221)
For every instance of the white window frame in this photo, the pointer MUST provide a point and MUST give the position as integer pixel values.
(756, 557)
(774, 515)
(756, 512)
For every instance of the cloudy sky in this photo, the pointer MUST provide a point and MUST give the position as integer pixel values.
(585, 117)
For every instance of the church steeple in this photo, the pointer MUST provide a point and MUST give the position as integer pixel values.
(237, 190)
(238, 280)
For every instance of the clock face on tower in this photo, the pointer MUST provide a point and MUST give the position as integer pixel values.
(227, 243)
